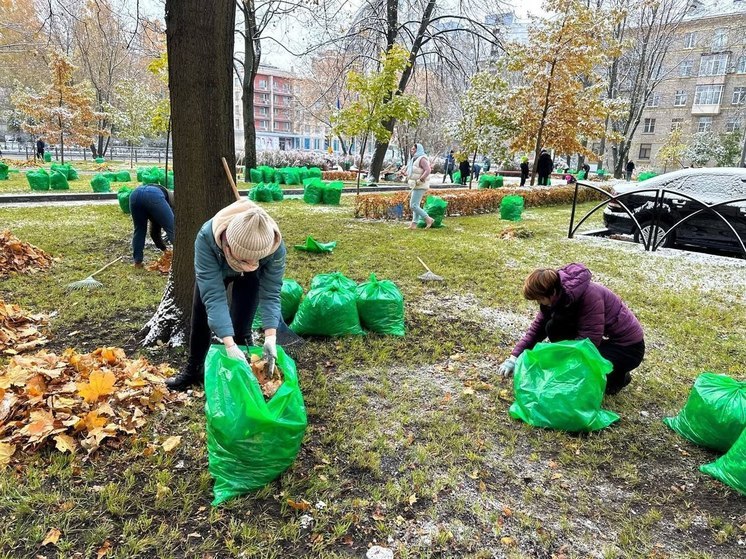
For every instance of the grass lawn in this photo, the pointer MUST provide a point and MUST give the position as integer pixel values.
(409, 443)
(17, 183)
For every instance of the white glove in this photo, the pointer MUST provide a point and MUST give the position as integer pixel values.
(234, 352)
(270, 351)
(506, 369)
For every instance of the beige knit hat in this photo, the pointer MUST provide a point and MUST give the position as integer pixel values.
(252, 235)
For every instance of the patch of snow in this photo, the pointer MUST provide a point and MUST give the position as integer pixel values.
(378, 552)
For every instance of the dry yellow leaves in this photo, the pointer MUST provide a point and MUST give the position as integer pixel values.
(103, 550)
(19, 330)
(163, 264)
(301, 505)
(171, 443)
(100, 383)
(65, 443)
(18, 257)
(52, 536)
(7, 451)
(412, 499)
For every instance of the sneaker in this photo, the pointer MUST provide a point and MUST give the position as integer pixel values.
(189, 376)
(611, 390)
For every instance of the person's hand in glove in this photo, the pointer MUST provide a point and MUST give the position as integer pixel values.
(269, 352)
(234, 352)
(506, 369)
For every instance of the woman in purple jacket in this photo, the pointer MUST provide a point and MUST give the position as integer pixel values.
(572, 307)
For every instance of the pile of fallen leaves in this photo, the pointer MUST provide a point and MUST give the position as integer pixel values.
(20, 331)
(77, 401)
(163, 264)
(512, 232)
(268, 382)
(17, 257)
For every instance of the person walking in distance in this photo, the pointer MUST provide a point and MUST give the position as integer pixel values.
(40, 148)
(544, 167)
(629, 169)
(418, 179)
(450, 166)
(524, 170)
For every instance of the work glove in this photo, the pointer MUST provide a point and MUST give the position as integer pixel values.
(506, 369)
(269, 352)
(234, 352)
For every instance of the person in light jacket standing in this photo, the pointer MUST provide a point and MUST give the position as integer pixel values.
(418, 178)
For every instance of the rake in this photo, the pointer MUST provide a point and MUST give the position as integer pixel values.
(89, 282)
(428, 276)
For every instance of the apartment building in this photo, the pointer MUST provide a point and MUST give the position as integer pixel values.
(704, 89)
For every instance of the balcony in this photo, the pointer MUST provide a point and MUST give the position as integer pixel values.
(704, 110)
(261, 102)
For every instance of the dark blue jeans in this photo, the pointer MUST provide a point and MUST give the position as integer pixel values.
(149, 204)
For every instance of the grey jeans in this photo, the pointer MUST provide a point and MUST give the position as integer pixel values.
(414, 204)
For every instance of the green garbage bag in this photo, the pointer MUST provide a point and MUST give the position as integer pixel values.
(456, 177)
(646, 175)
(498, 181)
(715, 413)
(112, 176)
(279, 177)
(328, 311)
(38, 180)
(151, 175)
(3, 172)
(303, 173)
(731, 467)
(123, 197)
(100, 160)
(48, 157)
(261, 193)
(58, 181)
(314, 173)
(332, 193)
(250, 442)
(268, 174)
(124, 176)
(435, 207)
(380, 306)
(292, 175)
(511, 208)
(65, 169)
(335, 279)
(312, 245)
(167, 182)
(99, 183)
(277, 194)
(486, 181)
(313, 191)
(561, 386)
(290, 296)
(255, 176)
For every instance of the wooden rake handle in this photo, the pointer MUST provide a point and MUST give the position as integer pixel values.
(104, 268)
(425, 265)
(230, 178)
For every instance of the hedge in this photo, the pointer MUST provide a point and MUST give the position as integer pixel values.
(339, 175)
(468, 202)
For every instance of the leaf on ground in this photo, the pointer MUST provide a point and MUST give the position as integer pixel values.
(52, 536)
(412, 499)
(103, 550)
(20, 330)
(100, 383)
(6, 453)
(18, 257)
(171, 443)
(163, 264)
(301, 505)
(65, 443)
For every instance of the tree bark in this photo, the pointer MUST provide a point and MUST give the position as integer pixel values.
(200, 54)
(253, 56)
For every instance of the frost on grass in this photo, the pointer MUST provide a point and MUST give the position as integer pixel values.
(166, 325)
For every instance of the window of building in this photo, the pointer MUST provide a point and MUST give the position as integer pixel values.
(306, 143)
(262, 84)
(713, 65)
(654, 100)
(316, 143)
(263, 111)
(741, 66)
(719, 39)
(648, 126)
(645, 150)
(679, 99)
(685, 68)
(739, 96)
(704, 124)
(733, 125)
(690, 40)
(708, 94)
(677, 124)
(263, 124)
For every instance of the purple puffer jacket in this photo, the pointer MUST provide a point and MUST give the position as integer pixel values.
(601, 313)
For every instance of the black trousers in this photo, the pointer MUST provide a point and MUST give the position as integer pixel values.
(523, 179)
(243, 304)
(543, 180)
(623, 358)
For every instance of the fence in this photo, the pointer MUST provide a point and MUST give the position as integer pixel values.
(27, 150)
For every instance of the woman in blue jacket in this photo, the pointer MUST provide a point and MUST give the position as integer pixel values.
(240, 247)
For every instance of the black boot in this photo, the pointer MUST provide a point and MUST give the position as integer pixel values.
(190, 375)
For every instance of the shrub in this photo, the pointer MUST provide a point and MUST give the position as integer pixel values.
(339, 175)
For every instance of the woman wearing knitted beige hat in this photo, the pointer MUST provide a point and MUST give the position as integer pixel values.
(240, 247)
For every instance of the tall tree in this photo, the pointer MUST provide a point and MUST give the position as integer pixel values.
(671, 153)
(133, 112)
(64, 112)
(200, 61)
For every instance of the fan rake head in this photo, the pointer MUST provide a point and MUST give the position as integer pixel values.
(87, 283)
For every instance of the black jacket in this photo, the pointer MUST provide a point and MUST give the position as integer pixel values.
(464, 168)
(630, 166)
(524, 168)
(546, 165)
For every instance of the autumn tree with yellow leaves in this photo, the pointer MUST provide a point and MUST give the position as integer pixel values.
(64, 111)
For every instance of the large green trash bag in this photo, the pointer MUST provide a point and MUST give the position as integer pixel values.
(511, 208)
(3, 172)
(332, 193)
(498, 181)
(561, 386)
(151, 175)
(303, 173)
(328, 311)
(715, 413)
(312, 245)
(124, 176)
(111, 175)
(168, 182)
(435, 207)
(99, 183)
(99, 160)
(250, 442)
(255, 176)
(277, 194)
(380, 306)
(731, 467)
(48, 157)
(290, 296)
(38, 180)
(261, 193)
(487, 181)
(313, 191)
(268, 174)
(58, 181)
(314, 173)
(123, 197)
(292, 175)
(456, 177)
(335, 279)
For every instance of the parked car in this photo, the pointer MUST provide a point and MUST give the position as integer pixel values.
(705, 229)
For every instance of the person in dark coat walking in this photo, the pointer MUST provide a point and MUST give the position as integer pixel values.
(151, 204)
(572, 307)
(40, 148)
(450, 166)
(524, 170)
(465, 170)
(630, 168)
(544, 167)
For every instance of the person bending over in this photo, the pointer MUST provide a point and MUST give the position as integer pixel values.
(151, 203)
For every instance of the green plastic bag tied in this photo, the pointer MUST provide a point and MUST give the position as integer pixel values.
(123, 176)
(291, 175)
(456, 177)
(255, 176)
(58, 181)
(328, 311)
(312, 245)
(714, 416)
(380, 306)
(731, 467)
(561, 386)
(112, 176)
(511, 208)
(268, 174)
(3, 172)
(123, 197)
(100, 160)
(151, 175)
(435, 207)
(38, 180)
(314, 173)
(332, 193)
(67, 169)
(290, 296)
(487, 181)
(261, 193)
(303, 173)
(277, 194)
(250, 442)
(99, 183)
(313, 191)
(48, 157)
(335, 279)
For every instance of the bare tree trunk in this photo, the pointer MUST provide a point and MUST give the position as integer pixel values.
(253, 49)
(360, 167)
(168, 138)
(539, 136)
(200, 54)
